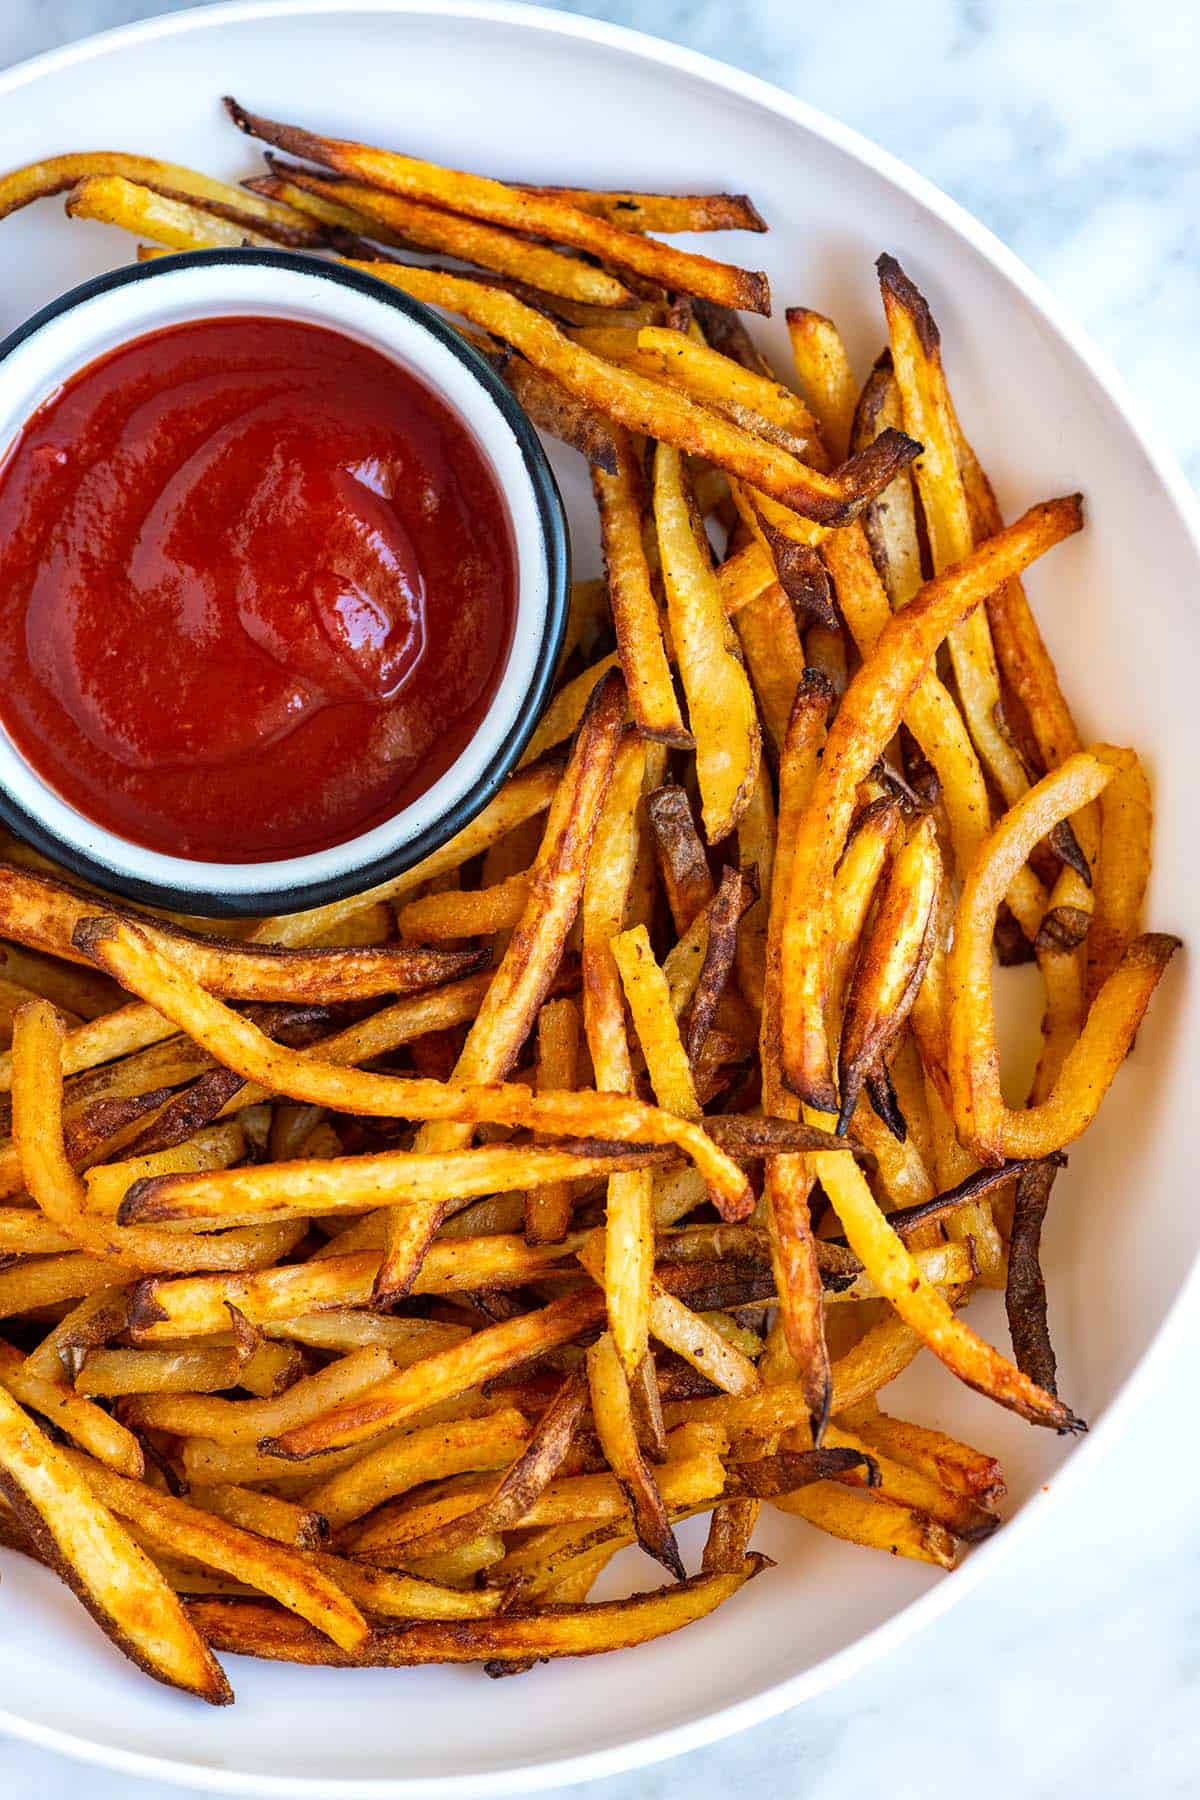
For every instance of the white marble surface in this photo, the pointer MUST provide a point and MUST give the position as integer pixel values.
(1070, 127)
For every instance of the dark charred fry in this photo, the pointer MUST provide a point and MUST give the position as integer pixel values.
(1064, 928)
(802, 576)
(788, 1470)
(1025, 1290)
(975, 1187)
(726, 908)
(681, 855)
(885, 1102)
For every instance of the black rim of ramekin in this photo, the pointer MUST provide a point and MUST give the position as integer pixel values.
(296, 896)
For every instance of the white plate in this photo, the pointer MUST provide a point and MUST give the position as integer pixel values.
(540, 96)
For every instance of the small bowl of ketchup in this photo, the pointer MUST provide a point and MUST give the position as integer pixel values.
(283, 578)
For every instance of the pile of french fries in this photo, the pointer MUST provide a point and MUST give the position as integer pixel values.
(373, 1275)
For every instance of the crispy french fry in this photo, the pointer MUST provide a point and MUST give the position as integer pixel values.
(669, 213)
(145, 968)
(79, 1538)
(521, 210)
(428, 1453)
(250, 1628)
(176, 224)
(57, 174)
(612, 1411)
(870, 712)
(263, 1564)
(982, 1118)
(720, 705)
(619, 501)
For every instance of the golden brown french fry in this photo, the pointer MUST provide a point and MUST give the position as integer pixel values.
(250, 1628)
(176, 224)
(649, 1001)
(46, 913)
(424, 227)
(522, 797)
(1123, 870)
(890, 963)
(517, 1494)
(669, 213)
(612, 1412)
(981, 1116)
(266, 1514)
(721, 709)
(718, 379)
(620, 503)
(522, 981)
(682, 860)
(56, 174)
(448, 1373)
(428, 1453)
(869, 714)
(147, 969)
(458, 913)
(916, 356)
(561, 718)
(185, 1531)
(78, 1537)
(629, 1255)
(823, 368)
(872, 1520)
(521, 210)
(548, 1205)
(84, 1423)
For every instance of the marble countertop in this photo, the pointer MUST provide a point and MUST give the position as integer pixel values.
(1070, 127)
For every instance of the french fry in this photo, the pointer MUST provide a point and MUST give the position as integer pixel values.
(266, 1514)
(263, 1564)
(669, 213)
(57, 174)
(176, 224)
(629, 1253)
(521, 210)
(982, 1118)
(870, 712)
(459, 914)
(890, 963)
(640, 403)
(825, 375)
(619, 501)
(47, 913)
(522, 980)
(79, 1538)
(311, 1189)
(1025, 1290)
(1123, 869)
(612, 1411)
(78, 1418)
(145, 968)
(548, 1206)
(682, 861)
(522, 797)
(480, 1358)
(649, 1001)
(423, 227)
(428, 1453)
(250, 1628)
(720, 705)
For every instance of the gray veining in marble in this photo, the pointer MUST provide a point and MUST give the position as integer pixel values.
(1072, 129)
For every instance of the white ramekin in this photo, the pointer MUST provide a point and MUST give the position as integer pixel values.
(116, 308)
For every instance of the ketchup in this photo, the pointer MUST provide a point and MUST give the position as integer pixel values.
(257, 589)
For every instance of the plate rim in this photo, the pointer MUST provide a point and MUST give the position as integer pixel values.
(707, 1728)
